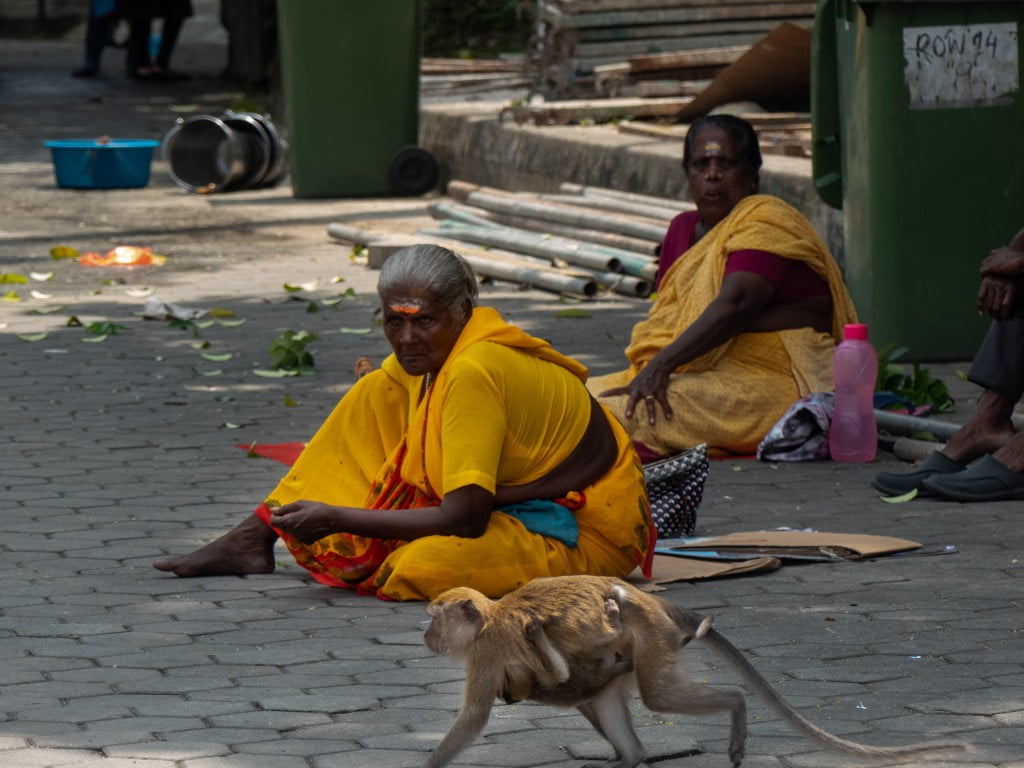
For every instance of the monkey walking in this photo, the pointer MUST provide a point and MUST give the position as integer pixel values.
(583, 641)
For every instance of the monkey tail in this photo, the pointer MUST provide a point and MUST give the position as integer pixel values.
(777, 704)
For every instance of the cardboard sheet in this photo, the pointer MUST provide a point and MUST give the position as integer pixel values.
(669, 568)
(795, 545)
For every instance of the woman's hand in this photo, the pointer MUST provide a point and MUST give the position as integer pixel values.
(1003, 262)
(997, 296)
(307, 521)
(649, 387)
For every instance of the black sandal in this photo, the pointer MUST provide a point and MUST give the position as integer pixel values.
(896, 484)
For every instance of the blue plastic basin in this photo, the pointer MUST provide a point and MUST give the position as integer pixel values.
(92, 164)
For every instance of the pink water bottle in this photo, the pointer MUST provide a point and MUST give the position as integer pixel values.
(853, 434)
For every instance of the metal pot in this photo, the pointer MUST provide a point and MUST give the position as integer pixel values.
(204, 154)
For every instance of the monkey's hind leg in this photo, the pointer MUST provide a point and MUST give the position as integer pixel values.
(609, 713)
(666, 688)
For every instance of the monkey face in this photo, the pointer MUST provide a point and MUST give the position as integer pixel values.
(455, 622)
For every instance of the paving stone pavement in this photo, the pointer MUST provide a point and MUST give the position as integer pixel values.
(117, 452)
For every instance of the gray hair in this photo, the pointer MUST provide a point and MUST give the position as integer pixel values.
(445, 275)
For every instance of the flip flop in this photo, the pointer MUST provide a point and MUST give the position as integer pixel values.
(987, 479)
(896, 484)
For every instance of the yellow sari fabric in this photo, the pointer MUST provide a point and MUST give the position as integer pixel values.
(376, 451)
(731, 396)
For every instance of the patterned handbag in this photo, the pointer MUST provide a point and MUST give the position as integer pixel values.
(675, 487)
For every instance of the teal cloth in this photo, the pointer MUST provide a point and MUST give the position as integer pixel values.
(547, 518)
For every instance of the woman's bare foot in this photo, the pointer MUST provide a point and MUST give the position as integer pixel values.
(246, 548)
(988, 430)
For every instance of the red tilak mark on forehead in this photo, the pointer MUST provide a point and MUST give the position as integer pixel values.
(405, 309)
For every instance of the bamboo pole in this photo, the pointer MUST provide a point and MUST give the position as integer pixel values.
(480, 217)
(624, 285)
(587, 255)
(495, 265)
(526, 242)
(535, 278)
(656, 213)
(590, 191)
(494, 200)
(902, 424)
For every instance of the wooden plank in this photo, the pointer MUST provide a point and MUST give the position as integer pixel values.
(744, 38)
(628, 49)
(668, 31)
(712, 12)
(788, 120)
(433, 65)
(597, 6)
(653, 130)
(700, 57)
(573, 110)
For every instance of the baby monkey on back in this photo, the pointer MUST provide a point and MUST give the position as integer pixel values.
(584, 641)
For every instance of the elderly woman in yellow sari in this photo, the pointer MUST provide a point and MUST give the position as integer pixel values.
(750, 305)
(474, 456)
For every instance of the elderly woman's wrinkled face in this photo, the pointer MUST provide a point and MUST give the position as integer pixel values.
(718, 176)
(421, 331)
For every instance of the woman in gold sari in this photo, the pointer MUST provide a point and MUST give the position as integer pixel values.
(750, 305)
(474, 456)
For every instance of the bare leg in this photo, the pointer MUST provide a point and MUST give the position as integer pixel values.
(988, 430)
(246, 548)
(1011, 454)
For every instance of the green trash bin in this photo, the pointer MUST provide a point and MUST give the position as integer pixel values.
(350, 74)
(917, 116)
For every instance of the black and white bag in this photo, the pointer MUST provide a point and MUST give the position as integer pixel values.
(675, 487)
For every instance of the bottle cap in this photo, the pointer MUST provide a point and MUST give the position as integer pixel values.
(855, 331)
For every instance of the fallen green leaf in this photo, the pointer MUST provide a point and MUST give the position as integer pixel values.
(231, 425)
(288, 401)
(903, 497)
(292, 288)
(32, 336)
(95, 339)
(222, 312)
(214, 372)
(41, 277)
(267, 373)
(48, 310)
(216, 357)
(11, 295)
(184, 108)
(312, 307)
(105, 328)
(199, 344)
(12, 277)
(572, 313)
(73, 322)
(204, 323)
(40, 295)
(230, 323)
(330, 301)
(60, 252)
(337, 279)
(360, 331)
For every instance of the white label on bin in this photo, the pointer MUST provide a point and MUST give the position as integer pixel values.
(961, 66)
